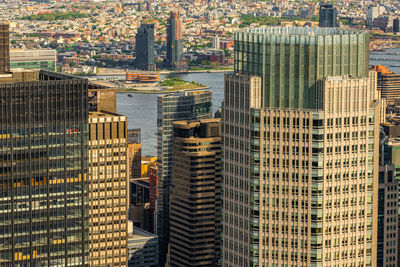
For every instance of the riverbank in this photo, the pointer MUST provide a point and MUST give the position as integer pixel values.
(161, 91)
(119, 72)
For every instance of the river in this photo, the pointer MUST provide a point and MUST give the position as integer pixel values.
(141, 109)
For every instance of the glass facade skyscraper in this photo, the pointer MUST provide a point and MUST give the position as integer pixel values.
(43, 170)
(301, 149)
(190, 105)
(327, 16)
(145, 47)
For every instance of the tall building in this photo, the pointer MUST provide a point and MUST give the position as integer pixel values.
(300, 149)
(388, 202)
(327, 16)
(189, 105)
(108, 189)
(195, 207)
(43, 169)
(145, 47)
(388, 83)
(4, 48)
(396, 25)
(44, 59)
(372, 14)
(174, 40)
(153, 196)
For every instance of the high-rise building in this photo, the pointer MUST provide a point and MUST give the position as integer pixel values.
(174, 40)
(372, 14)
(301, 136)
(396, 25)
(189, 105)
(143, 248)
(153, 196)
(145, 47)
(388, 83)
(43, 169)
(108, 189)
(388, 201)
(44, 59)
(4, 48)
(195, 200)
(327, 16)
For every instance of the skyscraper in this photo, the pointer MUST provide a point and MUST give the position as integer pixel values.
(43, 170)
(388, 199)
(327, 16)
(4, 48)
(301, 117)
(195, 211)
(108, 191)
(174, 39)
(190, 105)
(145, 47)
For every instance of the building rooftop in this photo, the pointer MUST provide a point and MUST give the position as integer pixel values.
(137, 233)
(300, 31)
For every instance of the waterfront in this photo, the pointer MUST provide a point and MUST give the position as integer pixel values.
(141, 109)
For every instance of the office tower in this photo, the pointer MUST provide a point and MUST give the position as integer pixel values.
(134, 159)
(4, 48)
(174, 39)
(372, 14)
(134, 136)
(388, 83)
(145, 47)
(108, 189)
(396, 25)
(195, 207)
(388, 202)
(327, 16)
(189, 105)
(143, 248)
(101, 98)
(43, 169)
(44, 59)
(300, 149)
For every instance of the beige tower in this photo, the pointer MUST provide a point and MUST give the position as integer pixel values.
(317, 174)
(108, 189)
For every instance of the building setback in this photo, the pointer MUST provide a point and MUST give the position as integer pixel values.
(300, 149)
(108, 191)
(195, 209)
(190, 105)
(145, 47)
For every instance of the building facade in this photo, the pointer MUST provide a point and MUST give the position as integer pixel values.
(44, 59)
(327, 16)
(44, 218)
(143, 248)
(388, 232)
(174, 40)
(108, 189)
(4, 48)
(190, 105)
(195, 201)
(300, 149)
(145, 47)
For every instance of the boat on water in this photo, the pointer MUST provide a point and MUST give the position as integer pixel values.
(130, 95)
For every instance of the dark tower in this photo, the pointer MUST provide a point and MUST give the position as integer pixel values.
(327, 16)
(396, 25)
(145, 47)
(4, 49)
